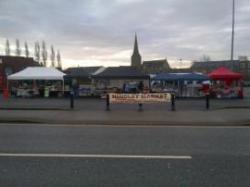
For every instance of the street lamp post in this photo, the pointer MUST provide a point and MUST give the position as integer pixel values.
(232, 41)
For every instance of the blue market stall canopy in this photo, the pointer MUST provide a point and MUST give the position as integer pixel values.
(181, 77)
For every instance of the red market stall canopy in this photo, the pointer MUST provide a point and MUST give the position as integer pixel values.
(223, 73)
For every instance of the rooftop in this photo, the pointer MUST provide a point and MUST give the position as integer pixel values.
(121, 72)
(82, 71)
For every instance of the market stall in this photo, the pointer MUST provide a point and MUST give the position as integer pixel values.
(37, 81)
(79, 79)
(226, 83)
(124, 79)
(182, 84)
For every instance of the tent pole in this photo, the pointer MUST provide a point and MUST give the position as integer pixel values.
(34, 84)
(179, 92)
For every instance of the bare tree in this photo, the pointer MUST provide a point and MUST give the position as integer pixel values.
(44, 53)
(18, 50)
(52, 56)
(7, 48)
(37, 52)
(26, 50)
(59, 63)
(205, 58)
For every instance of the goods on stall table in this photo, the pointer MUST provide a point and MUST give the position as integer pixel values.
(46, 92)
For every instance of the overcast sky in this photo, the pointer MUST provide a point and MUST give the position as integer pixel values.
(101, 32)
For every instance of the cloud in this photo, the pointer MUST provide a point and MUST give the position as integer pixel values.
(103, 31)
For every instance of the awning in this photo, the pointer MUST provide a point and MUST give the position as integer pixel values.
(223, 73)
(180, 77)
(37, 73)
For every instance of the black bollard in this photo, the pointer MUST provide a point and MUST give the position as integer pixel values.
(71, 99)
(107, 103)
(140, 107)
(207, 101)
(172, 102)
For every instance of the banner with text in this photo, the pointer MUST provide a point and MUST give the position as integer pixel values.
(140, 98)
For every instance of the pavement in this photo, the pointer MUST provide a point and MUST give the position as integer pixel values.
(93, 111)
(66, 155)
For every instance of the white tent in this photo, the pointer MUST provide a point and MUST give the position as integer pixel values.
(37, 73)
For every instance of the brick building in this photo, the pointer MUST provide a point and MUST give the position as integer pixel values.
(13, 64)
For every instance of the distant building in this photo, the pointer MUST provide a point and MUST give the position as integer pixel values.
(180, 70)
(208, 66)
(155, 66)
(243, 58)
(136, 57)
(242, 66)
(148, 67)
(244, 69)
(13, 64)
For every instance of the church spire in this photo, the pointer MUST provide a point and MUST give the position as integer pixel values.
(136, 50)
(136, 57)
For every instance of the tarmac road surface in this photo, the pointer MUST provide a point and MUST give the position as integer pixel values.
(73, 155)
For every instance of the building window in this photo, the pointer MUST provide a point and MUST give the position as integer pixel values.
(242, 65)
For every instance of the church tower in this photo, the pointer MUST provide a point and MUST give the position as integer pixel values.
(136, 57)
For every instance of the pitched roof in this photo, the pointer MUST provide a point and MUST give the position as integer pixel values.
(154, 66)
(19, 60)
(121, 72)
(37, 73)
(155, 62)
(83, 72)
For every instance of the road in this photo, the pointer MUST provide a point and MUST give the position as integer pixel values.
(71, 155)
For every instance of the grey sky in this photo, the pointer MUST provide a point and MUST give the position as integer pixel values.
(101, 32)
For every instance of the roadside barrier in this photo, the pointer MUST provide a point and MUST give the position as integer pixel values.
(71, 99)
(136, 99)
(107, 103)
(139, 99)
(172, 102)
(207, 101)
(140, 107)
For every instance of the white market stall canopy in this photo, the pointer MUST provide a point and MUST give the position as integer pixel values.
(37, 73)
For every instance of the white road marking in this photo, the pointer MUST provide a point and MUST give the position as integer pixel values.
(124, 126)
(58, 155)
